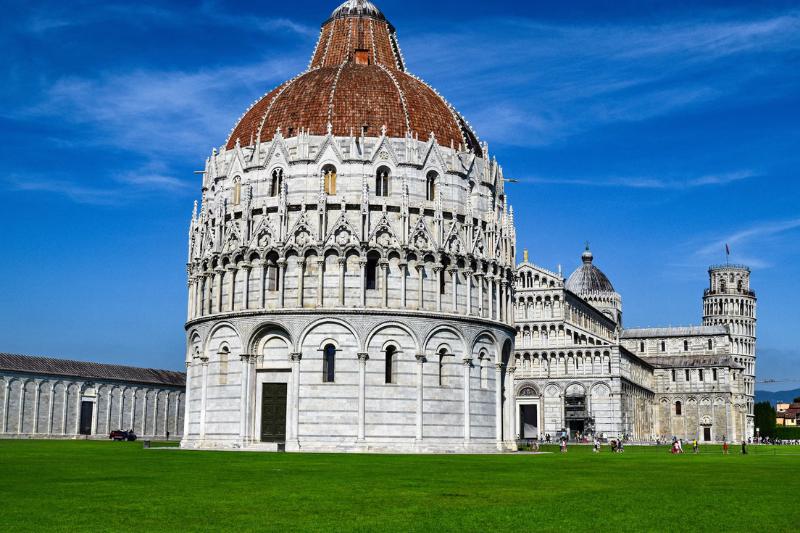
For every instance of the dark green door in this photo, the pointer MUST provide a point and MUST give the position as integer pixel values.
(85, 424)
(273, 412)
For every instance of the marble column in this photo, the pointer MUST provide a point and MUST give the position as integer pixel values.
(420, 288)
(362, 394)
(420, 391)
(6, 394)
(203, 396)
(155, 413)
(439, 272)
(468, 279)
(403, 274)
(51, 403)
(498, 402)
(467, 387)
(262, 284)
(479, 282)
(363, 263)
(512, 401)
(282, 282)
(505, 315)
(454, 281)
(384, 264)
(246, 289)
(245, 400)
(232, 289)
(251, 398)
(296, 357)
(166, 415)
(490, 295)
(301, 274)
(77, 410)
(342, 268)
(220, 276)
(64, 408)
(120, 420)
(36, 407)
(144, 412)
(190, 286)
(499, 308)
(186, 402)
(22, 406)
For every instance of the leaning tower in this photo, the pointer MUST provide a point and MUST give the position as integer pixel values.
(729, 301)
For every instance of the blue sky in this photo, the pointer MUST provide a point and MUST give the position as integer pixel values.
(658, 131)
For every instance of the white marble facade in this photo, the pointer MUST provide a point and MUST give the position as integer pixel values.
(294, 249)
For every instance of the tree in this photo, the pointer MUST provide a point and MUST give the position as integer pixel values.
(765, 419)
(796, 400)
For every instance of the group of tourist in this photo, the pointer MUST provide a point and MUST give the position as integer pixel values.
(777, 442)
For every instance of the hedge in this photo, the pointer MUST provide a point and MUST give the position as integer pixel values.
(783, 432)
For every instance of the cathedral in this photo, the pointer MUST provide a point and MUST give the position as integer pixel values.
(577, 371)
(353, 287)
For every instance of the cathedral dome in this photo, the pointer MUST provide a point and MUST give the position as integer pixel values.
(356, 84)
(587, 278)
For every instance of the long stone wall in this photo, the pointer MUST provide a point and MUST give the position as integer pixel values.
(40, 406)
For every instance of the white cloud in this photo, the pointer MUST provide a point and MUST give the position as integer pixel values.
(744, 238)
(159, 114)
(644, 182)
(114, 189)
(541, 83)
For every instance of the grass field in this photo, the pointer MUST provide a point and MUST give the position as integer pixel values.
(82, 485)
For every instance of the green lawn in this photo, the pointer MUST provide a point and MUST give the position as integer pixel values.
(68, 486)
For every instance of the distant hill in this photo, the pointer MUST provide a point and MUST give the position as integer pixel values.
(772, 397)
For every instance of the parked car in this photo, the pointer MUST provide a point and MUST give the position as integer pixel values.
(119, 434)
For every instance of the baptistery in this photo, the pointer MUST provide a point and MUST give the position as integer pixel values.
(351, 265)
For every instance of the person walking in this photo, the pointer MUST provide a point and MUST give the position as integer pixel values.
(744, 447)
(563, 445)
(695, 448)
(725, 447)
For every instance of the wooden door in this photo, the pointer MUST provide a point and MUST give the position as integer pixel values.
(273, 412)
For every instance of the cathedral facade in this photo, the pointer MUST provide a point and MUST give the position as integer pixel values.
(579, 372)
(353, 286)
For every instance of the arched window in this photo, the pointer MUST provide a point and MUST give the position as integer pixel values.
(430, 186)
(673, 374)
(678, 409)
(271, 275)
(663, 346)
(714, 374)
(442, 356)
(237, 190)
(372, 272)
(276, 183)
(391, 365)
(329, 363)
(685, 346)
(382, 182)
(641, 347)
(329, 175)
(688, 375)
(710, 344)
(484, 361)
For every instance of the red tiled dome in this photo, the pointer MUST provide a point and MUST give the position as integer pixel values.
(358, 83)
